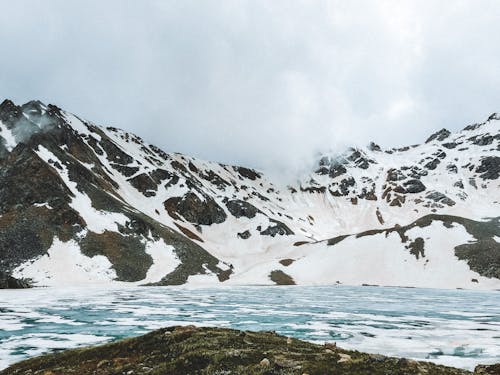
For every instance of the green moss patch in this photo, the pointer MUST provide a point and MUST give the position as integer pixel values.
(281, 278)
(126, 253)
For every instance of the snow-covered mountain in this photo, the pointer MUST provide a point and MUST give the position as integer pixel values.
(80, 203)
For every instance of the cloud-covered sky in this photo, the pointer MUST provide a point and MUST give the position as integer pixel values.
(259, 83)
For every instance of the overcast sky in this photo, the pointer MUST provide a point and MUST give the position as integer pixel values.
(260, 83)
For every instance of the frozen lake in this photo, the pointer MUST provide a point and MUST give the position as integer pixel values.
(454, 327)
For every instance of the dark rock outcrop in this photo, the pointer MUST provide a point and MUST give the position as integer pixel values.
(489, 168)
(195, 210)
(247, 173)
(9, 282)
(276, 228)
(414, 186)
(244, 235)
(436, 196)
(239, 208)
(281, 278)
(145, 184)
(441, 135)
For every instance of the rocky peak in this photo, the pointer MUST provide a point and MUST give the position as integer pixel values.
(9, 111)
(440, 135)
(374, 147)
(494, 116)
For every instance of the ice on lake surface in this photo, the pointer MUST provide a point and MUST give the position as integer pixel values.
(460, 328)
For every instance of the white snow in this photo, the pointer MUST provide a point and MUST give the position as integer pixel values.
(64, 265)
(78, 125)
(6, 134)
(378, 260)
(46, 205)
(164, 261)
(203, 279)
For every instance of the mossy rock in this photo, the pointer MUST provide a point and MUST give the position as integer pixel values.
(191, 350)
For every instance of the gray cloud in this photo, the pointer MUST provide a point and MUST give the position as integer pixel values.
(260, 83)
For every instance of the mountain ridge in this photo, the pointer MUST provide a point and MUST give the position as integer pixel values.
(106, 205)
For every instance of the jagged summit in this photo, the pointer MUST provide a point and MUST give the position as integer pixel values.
(80, 203)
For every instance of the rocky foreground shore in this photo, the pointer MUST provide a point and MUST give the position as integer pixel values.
(191, 350)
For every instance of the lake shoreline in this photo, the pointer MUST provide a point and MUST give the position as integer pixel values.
(190, 349)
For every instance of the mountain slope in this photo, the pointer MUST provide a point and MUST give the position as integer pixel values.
(81, 203)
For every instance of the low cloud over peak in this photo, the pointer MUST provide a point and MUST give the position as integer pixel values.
(265, 84)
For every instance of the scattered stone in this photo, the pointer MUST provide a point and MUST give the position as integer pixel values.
(378, 357)
(487, 369)
(244, 235)
(344, 358)
(284, 362)
(331, 345)
(103, 363)
(265, 362)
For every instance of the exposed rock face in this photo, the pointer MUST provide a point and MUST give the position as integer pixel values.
(136, 213)
(195, 210)
(414, 186)
(440, 135)
(489, 168)
(9, 282)
(276, 228)
(53, 175)
(239, 208)
(192, 350)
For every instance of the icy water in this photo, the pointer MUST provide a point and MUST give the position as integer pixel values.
(454, 327)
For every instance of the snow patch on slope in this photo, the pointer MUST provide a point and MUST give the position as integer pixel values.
(164, 261)
(97, 221)
(382, 260)
(6, 134)
(64, 264)
(78, 125)
(373, 259)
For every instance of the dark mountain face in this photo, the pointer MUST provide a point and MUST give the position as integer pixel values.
(81, 203)
(53, 165)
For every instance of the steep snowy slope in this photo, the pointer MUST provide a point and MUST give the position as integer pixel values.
(81, 203)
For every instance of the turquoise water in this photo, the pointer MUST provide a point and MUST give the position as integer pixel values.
(453, 327)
